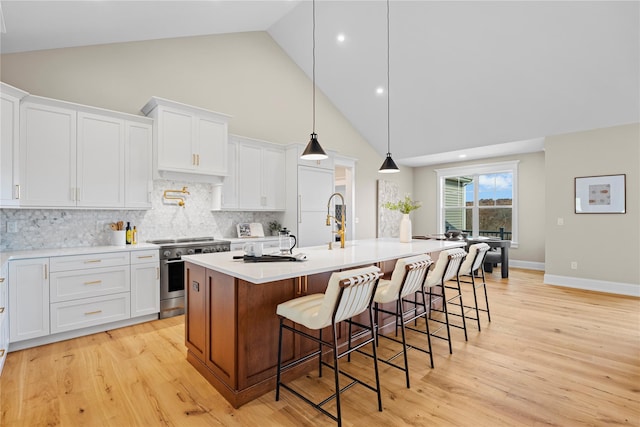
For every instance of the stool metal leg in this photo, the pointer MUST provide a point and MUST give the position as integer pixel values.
(336, 371)
(279, 361)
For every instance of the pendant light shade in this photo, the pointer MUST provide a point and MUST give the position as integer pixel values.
(314, 150)
(388, 166)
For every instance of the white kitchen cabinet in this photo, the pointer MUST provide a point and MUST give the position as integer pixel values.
(47, 154)
(145, 283)
(138, 173)
(9, 143)
(100, 161)
(230, 184)
(4, 317)
(259, 179)
(309, 186)
(86, 312)
(187, 139)
(28, 298)
(77, 156)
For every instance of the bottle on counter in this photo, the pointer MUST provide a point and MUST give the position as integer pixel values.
(128, 233)
(134, 236)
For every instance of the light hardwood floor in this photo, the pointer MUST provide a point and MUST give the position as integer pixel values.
(550, 356)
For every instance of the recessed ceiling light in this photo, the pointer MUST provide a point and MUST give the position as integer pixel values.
(340, 38)
(379, 90)
(462, 156)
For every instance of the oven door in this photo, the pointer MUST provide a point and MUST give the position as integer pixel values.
(171, 278)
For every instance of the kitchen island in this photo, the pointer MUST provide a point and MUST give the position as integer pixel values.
(231, 327)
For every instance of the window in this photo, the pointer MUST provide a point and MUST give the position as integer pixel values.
(479, 199)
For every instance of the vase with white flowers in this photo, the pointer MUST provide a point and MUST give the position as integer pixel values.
(405, 207)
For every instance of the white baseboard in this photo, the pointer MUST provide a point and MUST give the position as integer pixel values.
(527, 265)
(629, 289)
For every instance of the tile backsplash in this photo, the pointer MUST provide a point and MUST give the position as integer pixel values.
(58, 228)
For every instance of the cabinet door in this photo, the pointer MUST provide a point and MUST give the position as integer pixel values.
(230, 186)
(273, 179)
(211, 154)
(315, 186)
(175, 141)
(9, 143)
(138, 163)
(28, 298)
(145, 289)
(196, 306)
(100, 178)
(47, 155)
(221, 326)
(250, 176)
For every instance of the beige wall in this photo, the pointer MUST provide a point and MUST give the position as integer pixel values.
(605, 246)
(531, 203)
(245, 75)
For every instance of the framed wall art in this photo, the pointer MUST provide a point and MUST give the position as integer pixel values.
(600, 194)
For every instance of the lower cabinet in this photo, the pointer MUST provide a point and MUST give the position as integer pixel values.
(28, 298)
(4, 317)
(59, 294)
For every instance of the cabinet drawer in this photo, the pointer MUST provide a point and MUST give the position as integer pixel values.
(76, 284)
(140, 257)
(78, 262)
(69, 315)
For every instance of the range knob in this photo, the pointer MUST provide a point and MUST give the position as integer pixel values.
(178, 254)
(206, 250)
(190, 251)
(166, 253)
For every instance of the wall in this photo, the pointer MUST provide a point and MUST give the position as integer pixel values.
(245, 75)
(531, 205)
(605, 246)
(55, 228)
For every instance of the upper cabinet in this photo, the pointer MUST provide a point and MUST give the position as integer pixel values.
(9, 143)
(258, 178)
(187, 139)
(71, 155)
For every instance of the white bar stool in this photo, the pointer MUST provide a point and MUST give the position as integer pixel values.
(446, 268)
(349, 293)
(474, 264)
(408, 277)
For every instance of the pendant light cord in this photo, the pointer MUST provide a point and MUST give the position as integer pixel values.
(313, 71)
(388, 88)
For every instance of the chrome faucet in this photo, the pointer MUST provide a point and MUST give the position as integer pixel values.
(340, 232)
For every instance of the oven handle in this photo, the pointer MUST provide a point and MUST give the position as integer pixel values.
(172, 261)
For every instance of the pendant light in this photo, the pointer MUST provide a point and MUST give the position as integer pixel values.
(388, 166)
(314, 151)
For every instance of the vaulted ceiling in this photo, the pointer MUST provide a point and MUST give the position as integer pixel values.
(472, 78)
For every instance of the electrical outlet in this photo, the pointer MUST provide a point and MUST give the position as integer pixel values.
(560, 221)
(12, 226)
(574, 265)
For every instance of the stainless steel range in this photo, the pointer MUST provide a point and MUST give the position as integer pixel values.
(172, 268)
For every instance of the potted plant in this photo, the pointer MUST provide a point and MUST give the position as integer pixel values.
(405, 207)
(274, 227)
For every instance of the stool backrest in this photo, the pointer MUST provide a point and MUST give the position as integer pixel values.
(447, 266)
(349, 293)
(409, 274)
(474, 258)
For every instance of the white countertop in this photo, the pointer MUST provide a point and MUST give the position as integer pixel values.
(39, 253)
(319, 259)
(248, 239)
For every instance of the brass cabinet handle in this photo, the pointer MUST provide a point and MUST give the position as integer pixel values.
(2, 352)
(89, 261)
(17, 192)
(1, 310)
(95, 282)
(157, 273)
(1, 279)
(144, 256)
(92, 312)
(46, 273)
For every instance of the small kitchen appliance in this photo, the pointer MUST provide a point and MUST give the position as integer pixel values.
(287, 241)
(172, 268)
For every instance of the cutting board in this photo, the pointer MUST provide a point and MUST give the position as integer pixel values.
(250, 229)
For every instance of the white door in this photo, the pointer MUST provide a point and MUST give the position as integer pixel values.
(9, 126)
(175, 141)
(250, 176)
(138, 163)
(273, 179)
(315, 186)
(100, 161)
(47, 155)
(230, 186)
(28, 298)
(145, 289)
(211, 157)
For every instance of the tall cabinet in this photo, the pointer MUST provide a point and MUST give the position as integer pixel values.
(309, 186)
